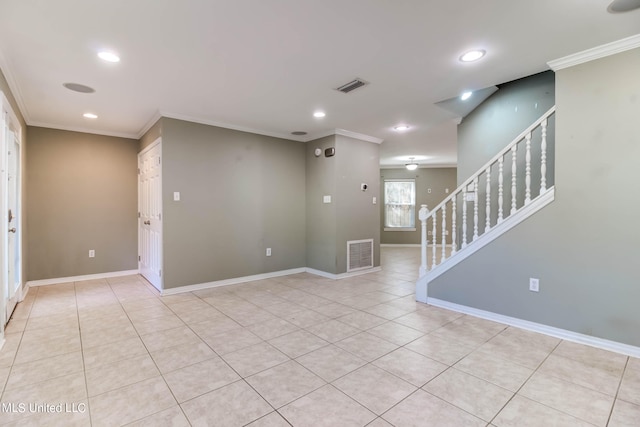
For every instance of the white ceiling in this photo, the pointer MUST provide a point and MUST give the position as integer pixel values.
(266, 65)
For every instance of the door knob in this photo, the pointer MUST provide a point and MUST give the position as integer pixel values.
(147, 223)
(12, 230)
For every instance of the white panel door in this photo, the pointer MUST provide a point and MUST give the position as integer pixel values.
(13, 220)
(150, 214)
(10, 208)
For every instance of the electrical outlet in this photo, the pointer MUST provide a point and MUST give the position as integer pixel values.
(92, 253)
(534, 285)
(268, 251)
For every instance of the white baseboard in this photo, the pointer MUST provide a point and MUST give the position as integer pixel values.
(45, 282)
(342, 275)
(233, 281)
(564, 334)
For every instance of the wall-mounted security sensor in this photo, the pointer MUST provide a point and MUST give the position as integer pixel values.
(363, 187)
(318, 152)
(330, 152)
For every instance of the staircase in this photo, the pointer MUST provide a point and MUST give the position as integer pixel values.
(502, 193)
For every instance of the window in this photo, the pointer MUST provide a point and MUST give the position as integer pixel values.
(399, 205)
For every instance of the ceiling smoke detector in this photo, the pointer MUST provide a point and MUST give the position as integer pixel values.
(620, 6)
(77, 87)
(352, 85)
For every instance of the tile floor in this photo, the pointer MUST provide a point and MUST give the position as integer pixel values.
(297, 350)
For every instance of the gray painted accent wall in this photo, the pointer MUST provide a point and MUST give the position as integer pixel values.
(321, 217)
(357, 217)
(436, 179)
(240, 193)
(584, 246)
(151, 135)
(351, 215)
(82, 195)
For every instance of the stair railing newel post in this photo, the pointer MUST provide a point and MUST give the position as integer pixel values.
(423, 214)
(527, 177)
(543, 158)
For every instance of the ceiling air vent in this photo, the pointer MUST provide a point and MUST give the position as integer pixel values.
(352, 85)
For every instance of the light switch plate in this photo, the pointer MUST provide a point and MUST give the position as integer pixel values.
(326, 199)
(176, 196)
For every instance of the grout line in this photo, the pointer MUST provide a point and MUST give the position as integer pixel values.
(615, 398)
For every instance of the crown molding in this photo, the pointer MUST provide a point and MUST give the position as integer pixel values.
(596, 53)
(152, 121)
(14, 88)
(202, 121)
(83, 130)
(359, 136)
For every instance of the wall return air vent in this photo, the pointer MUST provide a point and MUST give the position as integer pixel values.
(352, 85)
(359, 254)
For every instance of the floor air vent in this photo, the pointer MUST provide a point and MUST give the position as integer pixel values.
(353, 85)
(359, 254)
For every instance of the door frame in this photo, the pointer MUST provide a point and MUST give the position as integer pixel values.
(9, 117)
(156, 142)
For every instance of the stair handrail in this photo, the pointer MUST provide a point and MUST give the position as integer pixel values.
(425, 214)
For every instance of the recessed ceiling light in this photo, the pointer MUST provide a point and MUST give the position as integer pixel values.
(466, 96)
(620, 6)
(108, 56)
(472, 55)
(401, 128)
(90, 116)
(77, 87)
(319, 114)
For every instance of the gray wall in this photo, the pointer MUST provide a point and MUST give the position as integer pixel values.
(151, 135)
(240, 193)
(436, 179)
(502, 117)
(582, 247)
(351, 215)
(358, 218)
(321, 217)
(82, 195)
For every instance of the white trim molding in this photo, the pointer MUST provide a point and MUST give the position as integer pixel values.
(342, 275)
(596, 53)
(46, 282)
(564, 334)
(232, 281)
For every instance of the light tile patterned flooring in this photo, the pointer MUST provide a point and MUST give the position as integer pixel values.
(297, 350)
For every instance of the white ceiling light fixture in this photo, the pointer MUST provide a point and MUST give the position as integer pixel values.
(401, 128)
(90, 116)
(473, 55)
(108, 56)
(466, 95)
(412, 165)
(319, 114)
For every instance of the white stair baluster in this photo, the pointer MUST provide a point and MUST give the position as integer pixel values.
(434, 236)
(444, 232)
(543, 158)
(487, 224)
(464, 219)
(500, 187)
(423, 214)
(527, 175)
(454, 214)
(514, 150)
(475, 208)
